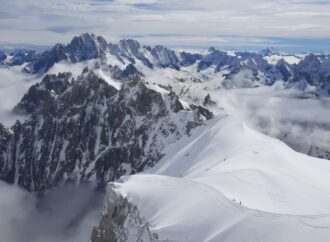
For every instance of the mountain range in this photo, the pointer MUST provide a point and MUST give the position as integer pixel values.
(265, 67)
(151, 126)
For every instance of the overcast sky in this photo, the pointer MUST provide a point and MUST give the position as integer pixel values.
(303, 24)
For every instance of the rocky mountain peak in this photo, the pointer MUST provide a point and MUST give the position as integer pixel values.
(81, 48)
(85, 47)
(268, 52)
(310, 63)
(82, 130)
(129, 46)
(165, 57)
(50, 87)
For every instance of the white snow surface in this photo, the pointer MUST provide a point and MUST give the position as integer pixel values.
(291, 59)
(227, 182)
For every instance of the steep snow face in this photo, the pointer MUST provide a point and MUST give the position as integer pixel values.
(229, 183)
(243, 161)
(273, 56)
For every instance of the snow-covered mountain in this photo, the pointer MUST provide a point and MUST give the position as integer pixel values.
(88, 129)
(264, 68)
(98, 112)
(226, 182)
(192, 75)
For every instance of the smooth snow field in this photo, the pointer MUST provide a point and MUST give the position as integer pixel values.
(227, 182)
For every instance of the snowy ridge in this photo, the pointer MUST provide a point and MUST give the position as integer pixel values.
(229, 183)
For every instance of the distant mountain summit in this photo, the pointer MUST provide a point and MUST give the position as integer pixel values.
(81, 48)
(89, 46)
(269, 52)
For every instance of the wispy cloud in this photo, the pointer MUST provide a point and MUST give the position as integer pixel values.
(47, 22)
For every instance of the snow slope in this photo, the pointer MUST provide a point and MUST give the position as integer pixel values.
(291, 59)
(229, 183)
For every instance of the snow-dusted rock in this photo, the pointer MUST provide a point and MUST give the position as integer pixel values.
(87, 130)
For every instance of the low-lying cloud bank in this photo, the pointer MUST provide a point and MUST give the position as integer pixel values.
(297, 118)
(13, 85)
(66, 214)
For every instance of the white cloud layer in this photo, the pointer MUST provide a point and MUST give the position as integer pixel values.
(166, 21)
(67, 214)
(285, 114)
(13, 85)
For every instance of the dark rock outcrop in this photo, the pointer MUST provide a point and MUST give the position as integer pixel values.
(81, 48)
(121, 221)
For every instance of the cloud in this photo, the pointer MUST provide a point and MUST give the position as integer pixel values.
(13, 85)
(66, 214)
(289, 115)
(47, 22)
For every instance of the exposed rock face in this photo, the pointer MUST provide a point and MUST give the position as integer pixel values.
(129, 71)
(165, 57)
(87, 130)
(269, 52)
(4, 140)
(81, 48)
(313, 71)
(285, 69)
(121, 222)
(3, 56)
(18, 57)
(215, 58)
(51, 86)
(187, 59)
(208, 101)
